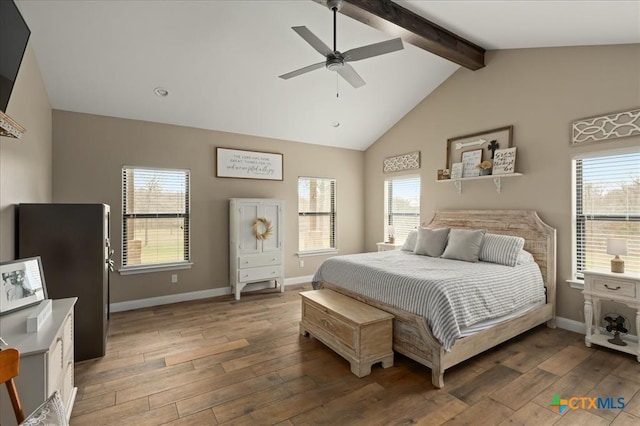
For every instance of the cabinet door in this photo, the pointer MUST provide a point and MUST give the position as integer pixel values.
(272, 211)
(247, 214)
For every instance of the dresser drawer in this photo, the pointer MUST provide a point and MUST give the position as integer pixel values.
(258, 274)
(613, 287)
(259, 260)
(55, 364)
(324, 319)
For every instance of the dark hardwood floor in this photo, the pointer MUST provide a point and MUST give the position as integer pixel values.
(219, 361)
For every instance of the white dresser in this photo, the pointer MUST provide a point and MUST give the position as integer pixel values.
(621, 288)
(255, 242)
(46, 359)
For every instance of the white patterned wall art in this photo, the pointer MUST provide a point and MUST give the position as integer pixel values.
(408, 161)
(611, 126)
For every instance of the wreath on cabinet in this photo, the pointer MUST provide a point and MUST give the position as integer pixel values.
(262, 222)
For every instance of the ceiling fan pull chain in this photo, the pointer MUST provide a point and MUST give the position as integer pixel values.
(337, 93)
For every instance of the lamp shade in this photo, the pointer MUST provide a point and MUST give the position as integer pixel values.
(617, 246)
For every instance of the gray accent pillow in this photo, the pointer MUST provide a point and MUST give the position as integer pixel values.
(501, 249)
(410, 242)
(525, 257)
(464, 244)
(431, 242)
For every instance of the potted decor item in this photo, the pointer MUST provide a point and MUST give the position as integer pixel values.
(485, 168)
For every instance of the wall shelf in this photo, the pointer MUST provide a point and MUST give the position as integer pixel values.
(497, 180)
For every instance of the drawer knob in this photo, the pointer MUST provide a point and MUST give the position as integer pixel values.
(612, 288)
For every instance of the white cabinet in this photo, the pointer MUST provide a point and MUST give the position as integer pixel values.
(621, 288)
(255, 242)
(46, 359)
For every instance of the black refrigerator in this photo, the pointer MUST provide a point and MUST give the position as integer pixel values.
(73, 242)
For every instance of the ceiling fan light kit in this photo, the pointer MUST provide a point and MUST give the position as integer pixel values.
(337, 61)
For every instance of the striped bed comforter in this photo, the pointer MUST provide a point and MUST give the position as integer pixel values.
(450, 294)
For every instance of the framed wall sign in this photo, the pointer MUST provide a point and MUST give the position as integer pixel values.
(488, 141)
(235, 163)
(470, 159)
(22, 284)
(504, 162)
(456, 170)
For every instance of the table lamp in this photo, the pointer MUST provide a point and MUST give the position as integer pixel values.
(617, 247)
(391, 230)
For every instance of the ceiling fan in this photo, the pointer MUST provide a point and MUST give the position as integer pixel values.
(337, 61)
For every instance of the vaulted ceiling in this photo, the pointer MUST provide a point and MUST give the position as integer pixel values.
(220, 60)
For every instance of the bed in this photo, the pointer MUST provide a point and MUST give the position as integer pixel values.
(414, 338)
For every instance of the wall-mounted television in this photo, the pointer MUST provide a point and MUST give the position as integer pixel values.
(14, 35)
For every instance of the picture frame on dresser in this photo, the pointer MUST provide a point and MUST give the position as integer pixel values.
(23, 284)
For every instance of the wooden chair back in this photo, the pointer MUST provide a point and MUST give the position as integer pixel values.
(9, 369)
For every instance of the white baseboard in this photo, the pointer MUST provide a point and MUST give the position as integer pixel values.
(195, 295)
(570, 325)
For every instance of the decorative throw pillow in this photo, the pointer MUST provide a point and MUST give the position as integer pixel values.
(431, 242)
(464, 244)
(501, 249)
(410, 242)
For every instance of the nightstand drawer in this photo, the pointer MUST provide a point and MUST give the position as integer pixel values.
(614, 287)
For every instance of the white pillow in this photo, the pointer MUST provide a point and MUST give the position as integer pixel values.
(525, 257)
(431, 242)
(501, 249)
(410, 242)
(464, 244)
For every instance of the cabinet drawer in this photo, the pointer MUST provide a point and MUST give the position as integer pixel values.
(259, 260)
(335, 327)
(614, 287)
(258, 274)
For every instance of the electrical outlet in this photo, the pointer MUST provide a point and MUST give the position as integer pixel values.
(174, 278)
(302, 263)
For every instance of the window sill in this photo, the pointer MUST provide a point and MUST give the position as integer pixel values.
(143, 269)
(576, 283)
(317, 252)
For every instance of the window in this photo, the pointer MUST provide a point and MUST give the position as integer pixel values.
(607, 205)
(155, 217)
(316, 214)
(401, 206)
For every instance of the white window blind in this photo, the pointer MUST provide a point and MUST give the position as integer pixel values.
(316, 214)
(607, 206)
(155, 216)
(401, 206)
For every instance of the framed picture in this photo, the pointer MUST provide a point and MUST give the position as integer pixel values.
(470, 159)
(488, 141)
(235, 163)
(22, 284)
(456, 170)
(504, 162)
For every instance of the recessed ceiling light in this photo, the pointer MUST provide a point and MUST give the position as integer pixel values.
(161, 91)
(336, 124)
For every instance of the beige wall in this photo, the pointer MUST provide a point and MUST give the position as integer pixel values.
(90, 150)
(538, 91)
(25, 164)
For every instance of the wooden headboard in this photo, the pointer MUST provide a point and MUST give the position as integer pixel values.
(539, 238)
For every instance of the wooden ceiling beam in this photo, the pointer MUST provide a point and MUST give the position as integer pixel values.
(397, 21)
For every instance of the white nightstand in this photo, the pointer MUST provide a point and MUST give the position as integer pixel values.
(603, 285)
(388, 246)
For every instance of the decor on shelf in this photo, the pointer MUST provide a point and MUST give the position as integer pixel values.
(611, 126)
(616, 323)
(262, 222)
(234, 163)
(617, 247)
(469, 161)
(443, 174)
(492, 139)
(456, 170)
(504, 162)
(391, 231)
(408, 161)
(22, 284)
(485, 167)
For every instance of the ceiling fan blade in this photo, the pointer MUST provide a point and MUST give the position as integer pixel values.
(302, 70)
(372, 50)
(314, 41)
(353, 78)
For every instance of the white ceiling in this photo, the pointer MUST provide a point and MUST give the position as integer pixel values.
(220, 60)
